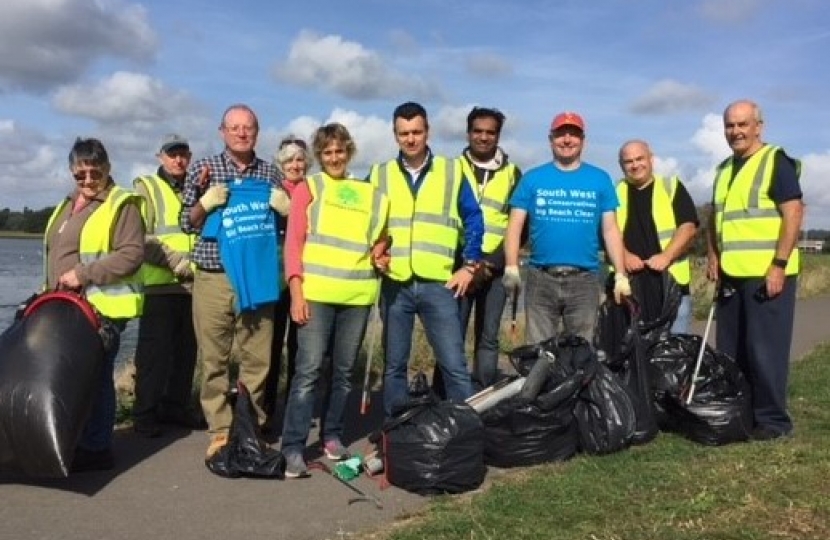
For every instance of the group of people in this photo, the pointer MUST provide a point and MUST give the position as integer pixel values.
(223, 256)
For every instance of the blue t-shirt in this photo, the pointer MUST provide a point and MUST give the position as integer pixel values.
(564, 212)
(245, 231)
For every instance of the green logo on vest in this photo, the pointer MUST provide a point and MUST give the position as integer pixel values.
(347, 196)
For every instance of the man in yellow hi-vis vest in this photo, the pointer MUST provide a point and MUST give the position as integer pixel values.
(493, 177)
(165, 355)
(756, 220)
(658, 221)
(430, 204)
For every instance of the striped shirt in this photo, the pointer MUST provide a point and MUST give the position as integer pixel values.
(222, 170)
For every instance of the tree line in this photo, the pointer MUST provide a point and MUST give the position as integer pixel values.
(28, 221)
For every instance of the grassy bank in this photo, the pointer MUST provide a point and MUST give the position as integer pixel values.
(670, 488)
(19, 234)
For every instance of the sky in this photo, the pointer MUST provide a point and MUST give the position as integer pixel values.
(128, 72)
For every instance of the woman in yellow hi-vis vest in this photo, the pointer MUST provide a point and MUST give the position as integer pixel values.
(94, 243)
(333, 224)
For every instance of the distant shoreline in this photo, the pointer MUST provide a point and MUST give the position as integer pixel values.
(20, 234)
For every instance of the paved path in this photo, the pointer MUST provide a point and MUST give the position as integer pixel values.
(161, 490)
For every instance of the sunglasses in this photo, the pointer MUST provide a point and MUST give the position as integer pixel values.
(299, 142)
(96, 175)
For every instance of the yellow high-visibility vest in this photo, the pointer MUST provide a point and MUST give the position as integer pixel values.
(662, 212)
(166, 206)
(424, 229)
(493, 201)
(747, 221)
(122, 299)
(345, 218)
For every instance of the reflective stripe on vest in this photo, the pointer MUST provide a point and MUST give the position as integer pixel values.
(665, 222)
(493, 202)
(122, 299)
(425, 228)
(166, 207)
(345, 218)
(747, 221)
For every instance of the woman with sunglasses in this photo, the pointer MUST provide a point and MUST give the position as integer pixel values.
(335, 221)
(94, 245)
(293, 161)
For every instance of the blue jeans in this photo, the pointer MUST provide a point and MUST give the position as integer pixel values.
(345, 326)
(571, 300)
(97, 434)
(437, 308)
(488, 303)
(683, 321)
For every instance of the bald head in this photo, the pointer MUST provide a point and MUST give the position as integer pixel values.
(637, 163)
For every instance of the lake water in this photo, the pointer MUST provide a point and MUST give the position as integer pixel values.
(21, 275)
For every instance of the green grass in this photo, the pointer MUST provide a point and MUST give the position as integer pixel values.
(668, 489)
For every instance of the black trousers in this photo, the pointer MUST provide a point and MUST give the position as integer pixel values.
(757, 332)
(282, 320)
(165, 356)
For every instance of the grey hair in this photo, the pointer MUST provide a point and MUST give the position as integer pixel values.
(239, 107)
(757, 113)
(288, 150)
(89, 152)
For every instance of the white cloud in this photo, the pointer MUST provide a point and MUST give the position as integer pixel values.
(347, 68)
(33, 172)
(733, 11)
(670, 96)
(122, 97)
(51, 42)
(815, 168)
(489, 65)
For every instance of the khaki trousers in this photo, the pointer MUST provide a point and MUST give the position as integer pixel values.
(223, 336)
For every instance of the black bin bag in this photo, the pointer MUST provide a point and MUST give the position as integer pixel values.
(720, 411)
(538, 427)
(246, 454)
(433, 447)
(50, 368)
(623, 338)
(605, 414)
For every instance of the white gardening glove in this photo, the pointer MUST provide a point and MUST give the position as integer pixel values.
(622, 287)
(183, 270)
(280, 201)
(512, 279)
(215, 196)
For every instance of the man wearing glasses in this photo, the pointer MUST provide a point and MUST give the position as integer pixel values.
(224, 333)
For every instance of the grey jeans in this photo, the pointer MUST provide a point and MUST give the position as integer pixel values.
(566, 302)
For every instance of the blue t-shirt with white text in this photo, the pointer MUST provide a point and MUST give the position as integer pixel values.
(564, 213)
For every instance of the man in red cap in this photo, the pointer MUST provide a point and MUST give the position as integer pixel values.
(568, 205)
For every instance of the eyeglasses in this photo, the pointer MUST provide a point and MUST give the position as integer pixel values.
(96, 175)
(240, 129)
(299, 142)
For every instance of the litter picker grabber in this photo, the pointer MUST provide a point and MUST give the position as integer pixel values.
(691, 391)
(373, 338)
(514, 308)
(364, 497)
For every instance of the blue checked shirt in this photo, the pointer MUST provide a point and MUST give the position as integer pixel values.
(222, 170)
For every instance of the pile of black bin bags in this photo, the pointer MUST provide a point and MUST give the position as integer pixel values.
(569, 403)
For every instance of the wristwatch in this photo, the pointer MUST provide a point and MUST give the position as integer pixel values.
(470, 265)
(780, 263)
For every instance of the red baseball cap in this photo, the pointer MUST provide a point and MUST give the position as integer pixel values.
(567, 119)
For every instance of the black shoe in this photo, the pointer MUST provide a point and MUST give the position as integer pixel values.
(92, 460)
(761, 433)
(182, 418)
(147, 429)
